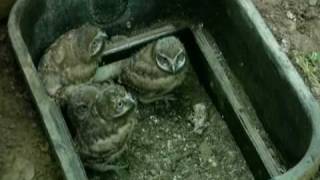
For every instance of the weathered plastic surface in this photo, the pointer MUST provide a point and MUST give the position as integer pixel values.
(5, 6)
(283, 103)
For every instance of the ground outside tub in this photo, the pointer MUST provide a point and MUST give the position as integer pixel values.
(251, 71)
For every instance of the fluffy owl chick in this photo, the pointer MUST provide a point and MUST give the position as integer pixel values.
(103, 116)
(72, 59)
(153, 72)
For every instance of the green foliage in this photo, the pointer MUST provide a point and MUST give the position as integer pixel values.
(314, 58)
(310, 66)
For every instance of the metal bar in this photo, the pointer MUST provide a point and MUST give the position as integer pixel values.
(141, 39)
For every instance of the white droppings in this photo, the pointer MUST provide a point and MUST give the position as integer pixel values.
(291, 16)
(199, 117)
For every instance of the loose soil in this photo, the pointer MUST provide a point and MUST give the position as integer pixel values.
(165, 146)
(24, 150)
(296, 26)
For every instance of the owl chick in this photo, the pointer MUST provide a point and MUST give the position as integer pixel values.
(103, 116)
(152, 72)
(72, 59)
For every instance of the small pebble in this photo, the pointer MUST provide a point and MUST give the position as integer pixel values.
(44, 147)
(33, 125)
(199, 117)
(12, 126)
(313, 2)
(285, 45)
(129, 25)
(291, 16)
(213, 162)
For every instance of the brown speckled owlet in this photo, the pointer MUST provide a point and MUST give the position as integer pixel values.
(103, 116)
(72, 59)
(153, 72)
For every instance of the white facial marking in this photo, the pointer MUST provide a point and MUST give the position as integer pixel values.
(163, 63)
(170, 55)
(180, 51)
(179, 63)
(97, 43)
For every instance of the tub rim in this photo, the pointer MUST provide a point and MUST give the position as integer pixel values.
(52, 119)
(307, 167)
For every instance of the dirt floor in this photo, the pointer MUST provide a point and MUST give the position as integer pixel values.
(171, 142)
(24, 151)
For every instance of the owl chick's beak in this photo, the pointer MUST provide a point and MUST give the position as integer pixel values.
(131, 100)
(173, 69)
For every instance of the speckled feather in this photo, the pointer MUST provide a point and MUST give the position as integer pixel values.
(100, 137)
(68, 61)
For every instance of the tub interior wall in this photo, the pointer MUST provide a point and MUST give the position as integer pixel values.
(276, 103)
(44, 21)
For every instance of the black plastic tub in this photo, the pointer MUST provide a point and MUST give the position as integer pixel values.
(251, 80)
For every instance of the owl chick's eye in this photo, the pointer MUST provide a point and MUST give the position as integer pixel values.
(163, 63)
(96, 46)
(181, 57)
(81, 109)
(120, 104)
(97, 43)
(162, 60)
(180, 61)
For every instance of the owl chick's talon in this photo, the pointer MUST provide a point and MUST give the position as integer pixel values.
(169, 98)
(109, 167)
